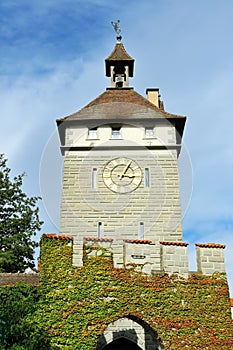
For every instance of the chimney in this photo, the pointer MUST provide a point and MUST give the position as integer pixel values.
(153, 96)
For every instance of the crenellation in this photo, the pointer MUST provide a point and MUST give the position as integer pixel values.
(210, 258)
(145, 256)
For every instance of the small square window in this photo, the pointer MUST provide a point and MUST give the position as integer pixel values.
(149, 133)
(92, 133)
(116, 133)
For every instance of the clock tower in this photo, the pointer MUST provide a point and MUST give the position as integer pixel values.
(120, 181)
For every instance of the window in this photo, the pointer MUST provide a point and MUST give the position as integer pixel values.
(147, 177)
(100, 229)
(116, 133)
(94, 178)
(92, 133)
(141, 230)
(149, 133)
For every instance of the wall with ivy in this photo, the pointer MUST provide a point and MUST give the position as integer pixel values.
(79, 303)
(73, 306)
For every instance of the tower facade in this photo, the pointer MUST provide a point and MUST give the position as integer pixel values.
(120, 182)
(121, 226)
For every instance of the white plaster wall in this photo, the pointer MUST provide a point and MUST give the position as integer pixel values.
(164, 134)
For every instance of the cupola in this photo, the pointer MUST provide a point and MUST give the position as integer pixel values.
(119, 64)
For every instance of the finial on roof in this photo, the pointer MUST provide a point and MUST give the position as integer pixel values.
(116, 26)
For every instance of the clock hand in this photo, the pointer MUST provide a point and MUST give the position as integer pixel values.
(125, 169)
(129, 175)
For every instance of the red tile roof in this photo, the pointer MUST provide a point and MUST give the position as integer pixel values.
(231, 302)
(210, 245)
(12, 279)
(116, 103)
(181, 244)
(98, 239)
(54, 235)
(138, 241)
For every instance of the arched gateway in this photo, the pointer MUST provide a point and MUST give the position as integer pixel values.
(122, 344)
(129, 333)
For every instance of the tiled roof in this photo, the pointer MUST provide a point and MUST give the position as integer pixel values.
(54, 235)
(118, 59)
(97, 239)
(11, 279)
(138, 241)
(210, 245)
(119, 54)
(181, 244)
(231, 302)
(117, 103)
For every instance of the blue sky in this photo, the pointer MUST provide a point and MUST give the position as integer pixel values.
(52, 64)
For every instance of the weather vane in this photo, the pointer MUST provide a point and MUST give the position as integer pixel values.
(116, 26)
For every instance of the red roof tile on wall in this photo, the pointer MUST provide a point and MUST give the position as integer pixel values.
(210, 245)
(96, 239)
(181, 244)
(54, 235)
(138, 241)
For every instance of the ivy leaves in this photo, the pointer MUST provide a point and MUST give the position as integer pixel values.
(79, 303)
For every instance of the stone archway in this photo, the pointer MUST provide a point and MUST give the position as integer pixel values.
(122, 344)
(129, 333)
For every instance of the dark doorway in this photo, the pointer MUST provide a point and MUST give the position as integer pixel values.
(122, 344)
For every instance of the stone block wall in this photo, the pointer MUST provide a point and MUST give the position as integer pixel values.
(210, 258)
(156, 208)
(174, 258)
(142, 254)
(98, 246)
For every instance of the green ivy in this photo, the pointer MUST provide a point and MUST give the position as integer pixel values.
(73, 306)
(79, 303)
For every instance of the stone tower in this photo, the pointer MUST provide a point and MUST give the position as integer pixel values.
(120, 182)
(130, 287)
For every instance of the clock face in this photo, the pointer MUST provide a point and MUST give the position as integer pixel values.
(122, 175)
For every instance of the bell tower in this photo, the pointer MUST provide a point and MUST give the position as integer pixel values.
(119, 64)
(120, 182)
